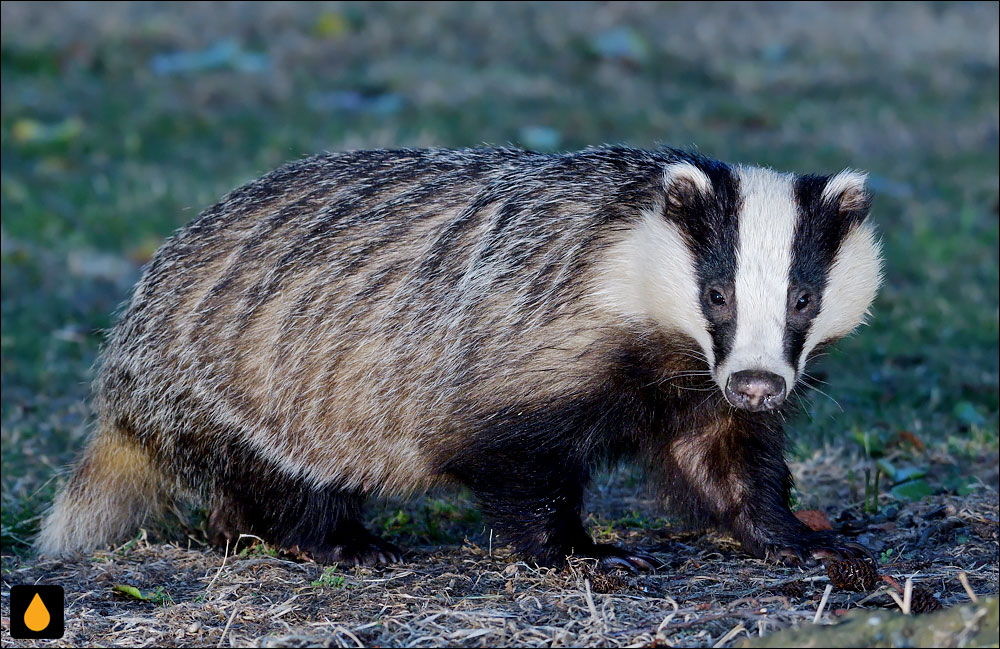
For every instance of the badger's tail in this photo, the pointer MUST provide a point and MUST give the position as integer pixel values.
(115, 486)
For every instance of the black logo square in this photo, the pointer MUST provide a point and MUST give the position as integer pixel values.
(37, 612)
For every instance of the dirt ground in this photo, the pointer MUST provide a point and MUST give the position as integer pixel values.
(708, 592)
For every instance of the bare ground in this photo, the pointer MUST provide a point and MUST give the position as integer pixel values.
(707, 593)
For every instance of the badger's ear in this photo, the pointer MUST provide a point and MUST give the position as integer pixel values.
(685, 185)
(848, 191)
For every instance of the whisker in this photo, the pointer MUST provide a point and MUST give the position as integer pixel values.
(682, 387)
(691, 353)
(679, 375)
(835, 402)
(716, 394)
(814, 378)
(684, 375)
(805, 405)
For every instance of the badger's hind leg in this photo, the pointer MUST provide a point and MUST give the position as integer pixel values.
(534, 497)
(537, 510)
(322, 522)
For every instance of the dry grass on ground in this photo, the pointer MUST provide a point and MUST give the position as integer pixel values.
(708, 591)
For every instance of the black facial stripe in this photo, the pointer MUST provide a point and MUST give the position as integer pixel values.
(795, 339)
(712, 225)
(723, 335)
(820, 228)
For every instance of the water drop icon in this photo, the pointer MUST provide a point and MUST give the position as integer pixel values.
(36, 617)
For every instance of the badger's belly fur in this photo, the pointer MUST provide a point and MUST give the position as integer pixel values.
(376, 323)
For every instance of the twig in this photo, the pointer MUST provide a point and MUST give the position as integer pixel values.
(882, 590)
(809, 576)
(907, 596)
(225, 556)
(350, 635)
(892, 582)
(962, 577)
(669, 618)
(733, 632)
(226, 630)
(822, 603)
(590, 600)
(896, 598)
(906, 591)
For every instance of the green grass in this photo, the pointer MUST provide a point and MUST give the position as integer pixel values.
(330, 579)
(102, 158)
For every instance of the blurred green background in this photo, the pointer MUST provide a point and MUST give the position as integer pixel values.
(121, 121)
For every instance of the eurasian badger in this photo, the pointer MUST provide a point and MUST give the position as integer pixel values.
(380, 322)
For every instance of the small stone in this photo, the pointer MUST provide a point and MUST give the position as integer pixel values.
(193, 628)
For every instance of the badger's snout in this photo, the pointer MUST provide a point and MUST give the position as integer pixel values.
(755, 390)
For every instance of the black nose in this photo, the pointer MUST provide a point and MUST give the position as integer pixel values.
(755, 390)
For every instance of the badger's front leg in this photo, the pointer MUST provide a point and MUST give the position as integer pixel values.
(731, 469)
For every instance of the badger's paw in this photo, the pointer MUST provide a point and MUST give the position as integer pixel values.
(814, 547)
(359, 550)
(612, 557)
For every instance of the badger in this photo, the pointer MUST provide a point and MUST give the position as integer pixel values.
(379, 323)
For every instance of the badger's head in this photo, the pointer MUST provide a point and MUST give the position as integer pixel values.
(758, 268)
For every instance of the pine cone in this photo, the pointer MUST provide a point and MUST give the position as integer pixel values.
(859, 575)
(793, 589)
(922, 601)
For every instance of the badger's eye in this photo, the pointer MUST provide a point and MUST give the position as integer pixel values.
(716, 298)
(804, 300)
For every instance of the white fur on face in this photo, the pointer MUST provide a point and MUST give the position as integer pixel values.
(651, 275)
(763, 261)
(851, 285)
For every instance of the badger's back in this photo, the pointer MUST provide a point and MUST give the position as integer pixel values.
(350, 315)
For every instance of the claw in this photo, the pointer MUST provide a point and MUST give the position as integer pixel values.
(827, 553)
(819, 547)
(612, 558)
(644, 562)
(613, 563)
(634, 563)
(860, 551)
(371, 553)
(787, 553)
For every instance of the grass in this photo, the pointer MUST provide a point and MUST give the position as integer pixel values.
(330, 579)
(103, 156)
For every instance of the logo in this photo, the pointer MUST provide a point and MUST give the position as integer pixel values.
(36, 612)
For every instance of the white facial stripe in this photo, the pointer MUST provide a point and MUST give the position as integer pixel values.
(764, 258)
(685, 172)
(651, 275)
(851, 285)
